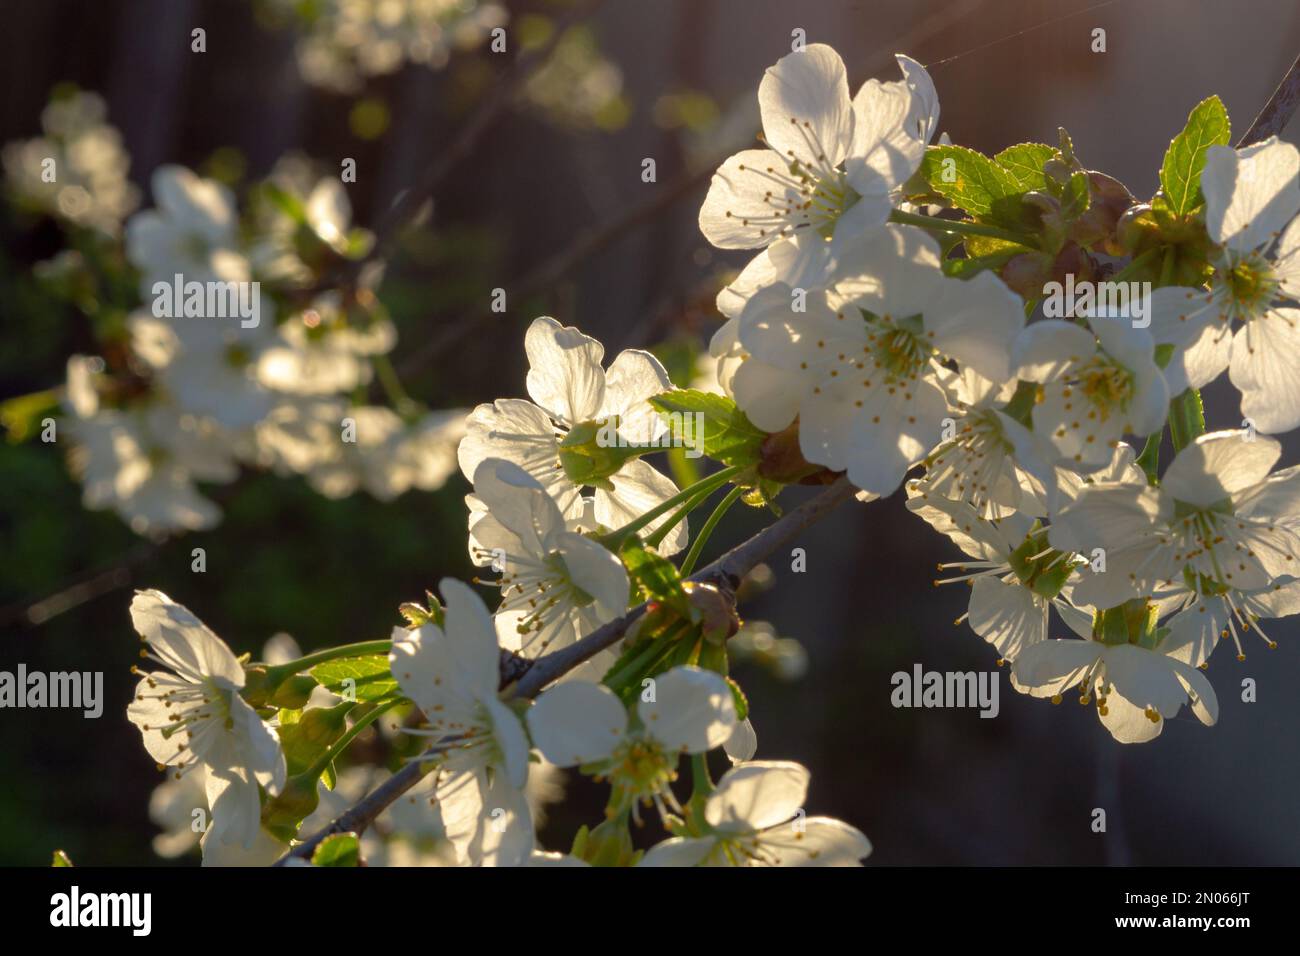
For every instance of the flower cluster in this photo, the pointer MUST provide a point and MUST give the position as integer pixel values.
(225, 350)
(344, 42)
(868, 344)
(891, 354)
(77, 170)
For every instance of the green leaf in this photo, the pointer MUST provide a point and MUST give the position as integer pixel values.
(21, 415)
(970, 180)
(370, 677)
(738, 696)
(712, 423)
(656, 578)
(338, 849)
(417, 615)
(305, 735)
(1024, 162)
(969, 267)
(1075, 197)
(287, 202)
(1180, 173)
(61, 859)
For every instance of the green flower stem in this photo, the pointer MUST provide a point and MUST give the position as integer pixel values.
(693, 555)
(615, 539)
(657, 536)
(655, 649)
(280, 671)
(392, 385)
(318, 768)
(962, 228)
(1149, 460)
(1186, 419)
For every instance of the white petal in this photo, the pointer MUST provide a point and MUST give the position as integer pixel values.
(1045, 350)
(816, 841)
(678, 851)
(885, 151)
(976, 322)
(768, 396)
(597, 571)
(634, 377)
(1219, 465)
(455, 665)
(519, 503)
(518, 431)
(757, 795)
(1006, 615)
(564, 373)
(1128, 722)
(693, 710)
(638, 487)
(743, 742)
(1251, 193)
(1050, 667)
(511, 741)
(236, 809)
(804, 101)
(925, 98)
(183, 641)
(1266, 368)
(746, 196)
(577, 722)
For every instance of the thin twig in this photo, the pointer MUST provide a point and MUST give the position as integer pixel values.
(367, 809)
(1279, 109)
(83, 587)
(556, 267)
(726, 573)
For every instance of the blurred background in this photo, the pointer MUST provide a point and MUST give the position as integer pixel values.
(550, 204)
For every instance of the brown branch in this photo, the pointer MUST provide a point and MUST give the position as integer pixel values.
(1279, 109)
(726, 573)
(367, 809)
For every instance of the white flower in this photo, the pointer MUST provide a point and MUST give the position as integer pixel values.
(571, 389)
(556, 585)
(583, 723)
(451, 673)
(326, 214)
(1016, 577)
(1218, 532)
(1136, 688)
(832, 165)
(342, 448)
(802, 262)
(1250, 196)
(755, 818)
(989, 459)
(90, 186)
(206, 370)
(180, 807)
(860, 365)
(192, 715)
(345, 41)
(192, 232)
(1095, 390)
(143, 463)
(317, 353)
